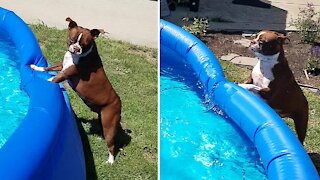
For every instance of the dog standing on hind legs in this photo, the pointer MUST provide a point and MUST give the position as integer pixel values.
(273, 81)
(83, 68)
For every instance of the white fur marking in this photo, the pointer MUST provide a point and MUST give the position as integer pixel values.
(254, 45)
(73, 47)
(79, 37)
(110, 159)
(262, 73)
(69, 60)
(257, 38)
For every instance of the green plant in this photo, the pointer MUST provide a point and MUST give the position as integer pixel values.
(313, 64)
(197, 27)
(314, 61)
(308, 24)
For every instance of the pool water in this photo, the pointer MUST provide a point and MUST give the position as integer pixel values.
(13, 102)
(197, 142)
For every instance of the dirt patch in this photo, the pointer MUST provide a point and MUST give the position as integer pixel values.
(296, 52)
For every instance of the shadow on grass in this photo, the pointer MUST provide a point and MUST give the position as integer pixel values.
(90, 166)
(315, 157)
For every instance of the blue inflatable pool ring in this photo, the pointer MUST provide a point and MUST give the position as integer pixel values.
(47, 143)
(282, 154)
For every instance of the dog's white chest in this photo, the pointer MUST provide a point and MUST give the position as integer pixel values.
(262, 73)
(69, 60)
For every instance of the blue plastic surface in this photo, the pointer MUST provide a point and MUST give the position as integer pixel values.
(282, 154)
(47, 144)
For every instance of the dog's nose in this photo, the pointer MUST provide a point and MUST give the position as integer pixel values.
(75, 49)
(252, 42)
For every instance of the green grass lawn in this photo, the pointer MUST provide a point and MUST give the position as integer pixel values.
(312, 142)
(132, 71)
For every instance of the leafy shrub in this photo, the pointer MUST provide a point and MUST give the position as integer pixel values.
(308, 24)
(312, 64)
(198, 27)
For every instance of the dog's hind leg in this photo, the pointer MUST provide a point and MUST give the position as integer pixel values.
(110, 119)
(301, 124)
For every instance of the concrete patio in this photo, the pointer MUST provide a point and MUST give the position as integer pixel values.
(132, 21)
(245, 14)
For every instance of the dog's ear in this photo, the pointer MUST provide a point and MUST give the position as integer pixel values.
(72, 23)
(282, 38)
(95, 32)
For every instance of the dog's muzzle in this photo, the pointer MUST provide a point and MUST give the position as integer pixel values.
(76, 48)
(254, 46)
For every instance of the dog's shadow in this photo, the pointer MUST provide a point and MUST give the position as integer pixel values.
(123, 139)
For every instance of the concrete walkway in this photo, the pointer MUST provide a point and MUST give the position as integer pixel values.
(132, 21)
(245, 14)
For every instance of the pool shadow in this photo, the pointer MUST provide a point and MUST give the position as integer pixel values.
(315, 157)
(91, 171)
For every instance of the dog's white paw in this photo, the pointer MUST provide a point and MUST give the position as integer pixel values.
(251, 87)
(110, 159)
(50, 79)
(36, 68)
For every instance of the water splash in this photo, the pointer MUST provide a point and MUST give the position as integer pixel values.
(197, 140)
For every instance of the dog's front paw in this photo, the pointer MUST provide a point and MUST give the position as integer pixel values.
(251, 87)
(36, 68)
(50, 79)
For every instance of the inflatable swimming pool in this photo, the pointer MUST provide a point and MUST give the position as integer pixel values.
(282, 154)
(47, 143)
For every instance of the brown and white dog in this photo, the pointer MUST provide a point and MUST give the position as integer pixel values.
(83, 68)
(272, 80)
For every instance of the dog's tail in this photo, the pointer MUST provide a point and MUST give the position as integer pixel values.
(72, 23)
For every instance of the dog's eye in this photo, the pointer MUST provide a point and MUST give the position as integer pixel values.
(71, 41)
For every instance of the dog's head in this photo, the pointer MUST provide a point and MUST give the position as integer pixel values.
(268, 43)
(80, 40)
